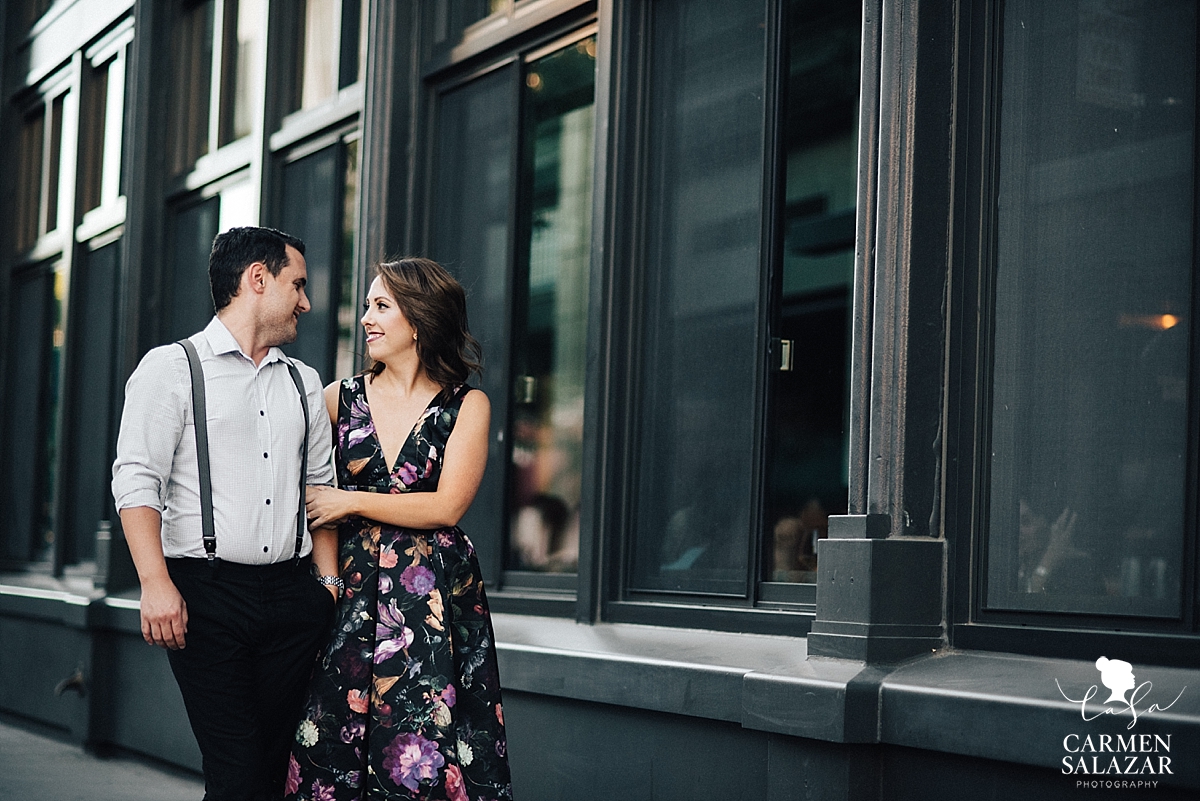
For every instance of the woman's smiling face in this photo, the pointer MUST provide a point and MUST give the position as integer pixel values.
(388, 330)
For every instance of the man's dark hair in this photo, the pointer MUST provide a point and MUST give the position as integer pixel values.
(238, 248)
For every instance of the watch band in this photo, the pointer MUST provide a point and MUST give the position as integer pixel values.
(334, 581)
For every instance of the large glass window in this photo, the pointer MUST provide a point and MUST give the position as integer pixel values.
(807, 442)
(241, 50)
(330, 49)
(190, 304)
(32, 412)
(27, 220)
(695, 438)
(1093, 308)
(473, 190)
(39, 171)
(318, 205)
(215, 54)
(526, 275)
(550, 308)
(191, 89)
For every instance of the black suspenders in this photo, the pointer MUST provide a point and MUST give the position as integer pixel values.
(201, 420)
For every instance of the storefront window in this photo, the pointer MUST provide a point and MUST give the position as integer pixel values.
(330, 49)
(807, 440)
(551, 309)
(1094, 253)
(191, 51)
(242, 47)
(696, 430)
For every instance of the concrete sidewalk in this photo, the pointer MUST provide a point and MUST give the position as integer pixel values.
(34, 765)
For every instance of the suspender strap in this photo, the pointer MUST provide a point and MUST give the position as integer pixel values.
(301, 515)
(200, 418)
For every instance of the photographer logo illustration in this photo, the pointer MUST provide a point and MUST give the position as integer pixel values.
(1127, 759)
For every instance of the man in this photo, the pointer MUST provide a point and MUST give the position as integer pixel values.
(242, 618)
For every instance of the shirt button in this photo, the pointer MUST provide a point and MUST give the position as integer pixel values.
(264, 549)
(264, 456)
(261, 412)
(268, 501)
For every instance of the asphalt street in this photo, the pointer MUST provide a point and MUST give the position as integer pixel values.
(37, 766)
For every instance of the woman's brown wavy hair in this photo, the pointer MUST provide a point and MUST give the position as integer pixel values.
(435, 305)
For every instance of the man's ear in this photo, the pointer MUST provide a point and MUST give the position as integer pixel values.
(255, 277)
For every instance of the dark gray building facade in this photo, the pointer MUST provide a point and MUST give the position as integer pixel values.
(841, 359)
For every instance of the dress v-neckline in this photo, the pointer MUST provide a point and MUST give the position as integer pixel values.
(394, 464)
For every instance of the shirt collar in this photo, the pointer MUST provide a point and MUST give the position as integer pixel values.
(222, 341)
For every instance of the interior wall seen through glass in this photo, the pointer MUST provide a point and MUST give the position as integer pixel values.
(93, 120)
(695, 434)
(191, 85)
(807, 440)
(550, 309)
(27, 220)
(1093, 307)
(330, 49)
(242, 46)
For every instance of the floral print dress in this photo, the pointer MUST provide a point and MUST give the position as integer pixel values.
(405, 699)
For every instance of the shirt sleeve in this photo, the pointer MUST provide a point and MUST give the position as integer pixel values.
(153, 420)
(320, 433)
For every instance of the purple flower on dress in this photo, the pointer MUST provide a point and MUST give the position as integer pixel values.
(410, 759)
(445, 537)
(391, 635)
(418, 579)
(322, 792)
(385, 584)
(407, 474)
(361, 425)
(354, 730)
(448, 695)
(293, 776)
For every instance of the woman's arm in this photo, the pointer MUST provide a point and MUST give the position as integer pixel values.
(462, 471)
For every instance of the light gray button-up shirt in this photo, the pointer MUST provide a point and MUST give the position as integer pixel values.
(255, 436)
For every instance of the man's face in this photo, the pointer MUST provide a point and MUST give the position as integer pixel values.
(284, 300)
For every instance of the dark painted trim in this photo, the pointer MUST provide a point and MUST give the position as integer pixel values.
(864, 257)
(480, 40)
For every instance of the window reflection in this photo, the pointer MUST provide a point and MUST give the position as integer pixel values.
(92, 124)
(807, 441)
(191, 49)
(29, 180)
(330, 49)
(696, 430)
(1093, 299)
(241, 43)
(551, 310)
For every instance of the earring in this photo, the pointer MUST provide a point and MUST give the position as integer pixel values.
(414, 337)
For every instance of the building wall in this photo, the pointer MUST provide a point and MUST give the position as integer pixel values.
(713, 195)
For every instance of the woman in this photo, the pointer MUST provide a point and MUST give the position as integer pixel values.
(405, 700)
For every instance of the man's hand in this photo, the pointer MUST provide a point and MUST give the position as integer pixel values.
(164, 615)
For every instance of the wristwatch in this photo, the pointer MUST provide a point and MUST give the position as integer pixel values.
(335, 581)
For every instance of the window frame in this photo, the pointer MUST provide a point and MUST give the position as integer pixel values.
(519, 591)
(969, 386)
(768, 607)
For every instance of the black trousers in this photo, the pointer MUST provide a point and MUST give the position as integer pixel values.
(252, 640)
